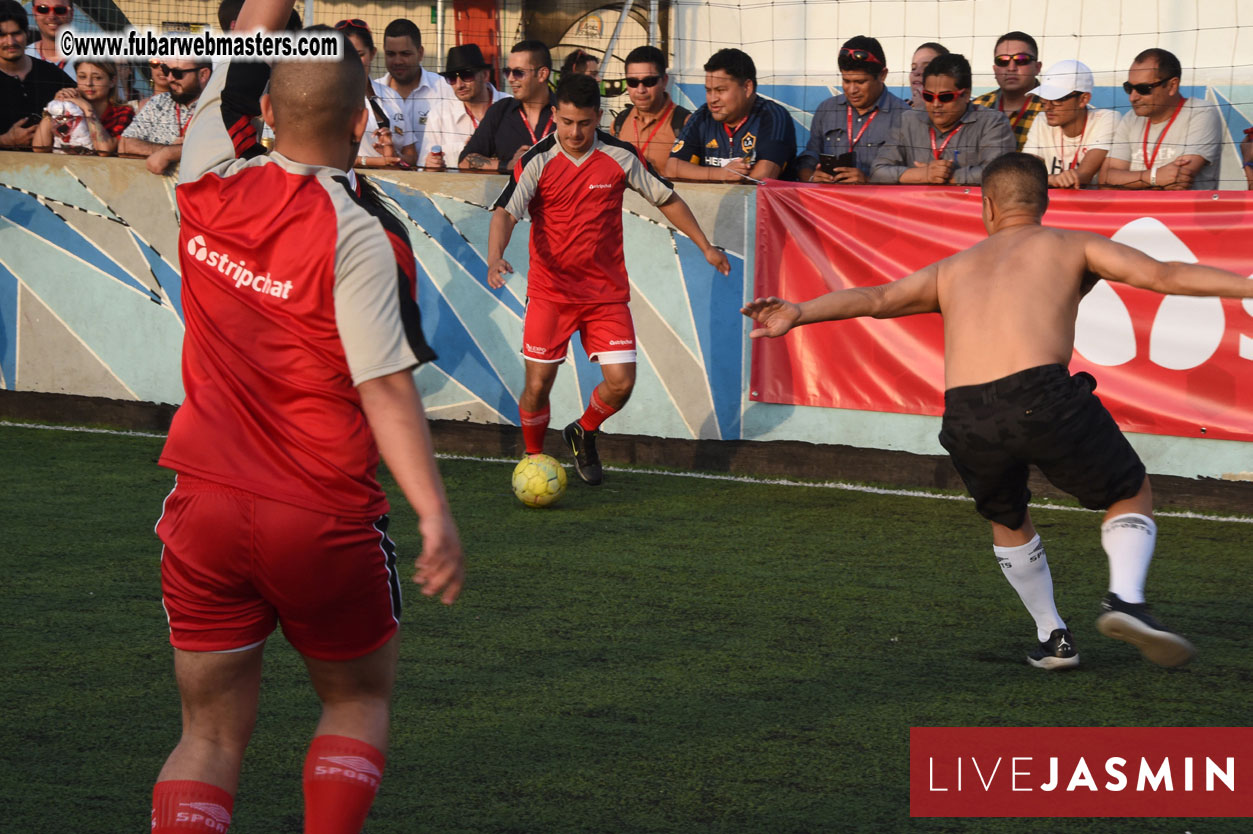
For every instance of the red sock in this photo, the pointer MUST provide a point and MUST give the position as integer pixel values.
(534, 425)
(341, 776)
(180, 805)
(597, 413)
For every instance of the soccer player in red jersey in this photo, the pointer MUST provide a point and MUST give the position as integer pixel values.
(571, 183)
(302, 336)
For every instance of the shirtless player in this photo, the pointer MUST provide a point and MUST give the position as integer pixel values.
(1009, 305)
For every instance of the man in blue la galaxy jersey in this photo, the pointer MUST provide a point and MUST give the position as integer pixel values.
(736, 136)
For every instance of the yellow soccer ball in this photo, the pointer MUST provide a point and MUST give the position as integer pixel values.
(538, 480)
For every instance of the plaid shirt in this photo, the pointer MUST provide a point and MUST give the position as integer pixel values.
(1021, 125)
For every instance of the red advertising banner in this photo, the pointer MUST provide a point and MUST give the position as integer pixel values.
(1169, 365)
(1080, 771)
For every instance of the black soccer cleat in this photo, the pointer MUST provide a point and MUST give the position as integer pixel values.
(583, 445)
(1132, 623)
(1058, 652)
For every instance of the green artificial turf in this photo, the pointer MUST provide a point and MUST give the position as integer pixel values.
(659, 654)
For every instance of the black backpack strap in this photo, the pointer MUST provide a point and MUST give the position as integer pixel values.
(678, 118)
(620, 119)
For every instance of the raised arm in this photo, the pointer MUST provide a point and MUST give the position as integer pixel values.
(1116, 262)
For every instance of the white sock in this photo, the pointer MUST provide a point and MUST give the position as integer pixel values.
(1027, 569)
(1128, 540)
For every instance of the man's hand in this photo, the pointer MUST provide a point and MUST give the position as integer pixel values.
(1066, 179)
(775, 316)
(517, 155)
(938, 171)
(18, 136)
(820, 175)
(1174, 176)
(849, 176)
(433, 162)
(735, 170)
(160, 160)
(718, 259)
(496, 273)
(441, 566)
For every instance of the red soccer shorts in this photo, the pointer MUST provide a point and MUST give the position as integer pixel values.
(607, 332)
(235, 563)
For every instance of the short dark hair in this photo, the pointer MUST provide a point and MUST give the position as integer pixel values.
(539, 52)
(937, 48)
(1017, 179)
(1167, 64)
(954, 65)
(12, 10)
(735, 63)
(1019, 36)
(577, 61)
(402, 27)
(228, 13)
(582, 91)
(647, 55)
(869, 44)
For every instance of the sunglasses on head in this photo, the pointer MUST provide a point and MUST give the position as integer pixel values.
(1142, 89)
(647, 81)
(353, 23)
(860, 55)
(463, 75)
(176, 74)
(518, 72)
(944, 97)
(44, 9)
(1020, 59)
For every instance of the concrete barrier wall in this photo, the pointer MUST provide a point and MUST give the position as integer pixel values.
(90, 305)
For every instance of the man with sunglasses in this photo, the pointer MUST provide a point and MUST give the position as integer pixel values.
(951, 141)
(26, 84)
(50, 17)
(453, 121)
(1166, 141)
(736, 136)
(652, 121)
(857, 122)
(1016, 66)
(514, 125)
(1009, 305)
(158, 130)
(1073, 139)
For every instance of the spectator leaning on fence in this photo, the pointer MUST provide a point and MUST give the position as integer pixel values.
(94, 104)
(1166, 141)
(949, 143)
(158, 130)
(923, 55)
(513, 125)
(857, 122)
(407, 86)
(453, 121)
(736, 134)
(1015, 64)
(383, 129)
(1073, 138)
(652, 121)
(26, 84)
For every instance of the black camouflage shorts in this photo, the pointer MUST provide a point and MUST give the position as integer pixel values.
(1042, 416)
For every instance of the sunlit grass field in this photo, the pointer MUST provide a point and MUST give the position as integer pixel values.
(659, 654)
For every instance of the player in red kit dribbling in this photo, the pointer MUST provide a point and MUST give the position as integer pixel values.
(571, 183)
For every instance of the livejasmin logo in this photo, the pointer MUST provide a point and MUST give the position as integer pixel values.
(237, 270)
(1023, 774)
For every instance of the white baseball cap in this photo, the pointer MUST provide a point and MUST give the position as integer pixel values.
(1064, 78)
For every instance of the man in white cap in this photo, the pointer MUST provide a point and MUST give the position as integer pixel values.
(1074, 139)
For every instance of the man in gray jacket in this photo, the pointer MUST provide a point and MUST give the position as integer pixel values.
(949, 143)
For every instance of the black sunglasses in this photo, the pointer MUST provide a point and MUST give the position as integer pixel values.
(1019, 59)
(1142, 89)
(176, 74)
(647, 81)
(860, 55)
(519, 72)
(944, 97)
(464, 75)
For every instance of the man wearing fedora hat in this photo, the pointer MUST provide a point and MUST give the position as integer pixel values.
(452, 121)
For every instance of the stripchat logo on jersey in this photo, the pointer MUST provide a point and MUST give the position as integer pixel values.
(237, 270)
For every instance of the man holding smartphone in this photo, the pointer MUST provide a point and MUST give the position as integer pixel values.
(26, 84)
(848, 129)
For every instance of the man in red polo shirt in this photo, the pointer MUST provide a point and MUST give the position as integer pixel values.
(571, 183)
(302, 336)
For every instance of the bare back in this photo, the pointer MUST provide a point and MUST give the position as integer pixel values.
(1009, 302)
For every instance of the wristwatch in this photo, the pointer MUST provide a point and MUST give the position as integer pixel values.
(1153, 176)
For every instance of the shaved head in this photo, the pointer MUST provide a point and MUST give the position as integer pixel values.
(317, 98)
(1017, 182)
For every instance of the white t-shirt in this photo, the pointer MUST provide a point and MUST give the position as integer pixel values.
(449, 126)
(416, 106)
(1198, 130)
(1061, 152)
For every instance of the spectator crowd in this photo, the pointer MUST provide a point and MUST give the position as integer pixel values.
(458, 119)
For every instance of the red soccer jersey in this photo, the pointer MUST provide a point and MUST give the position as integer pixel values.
(294, 291)
(576, 216)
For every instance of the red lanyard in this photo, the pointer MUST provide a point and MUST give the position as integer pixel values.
(1017, 117)
(178, 117)
(1061, 148)
(534, 139)
(853, 140)
(475, 121)
(938, 153)
(1149, 160)
(731, 129)
(661, 120)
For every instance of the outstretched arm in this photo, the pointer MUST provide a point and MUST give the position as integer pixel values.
(1116, 262)
(915, 293)
(498, 235)
(678, 213)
